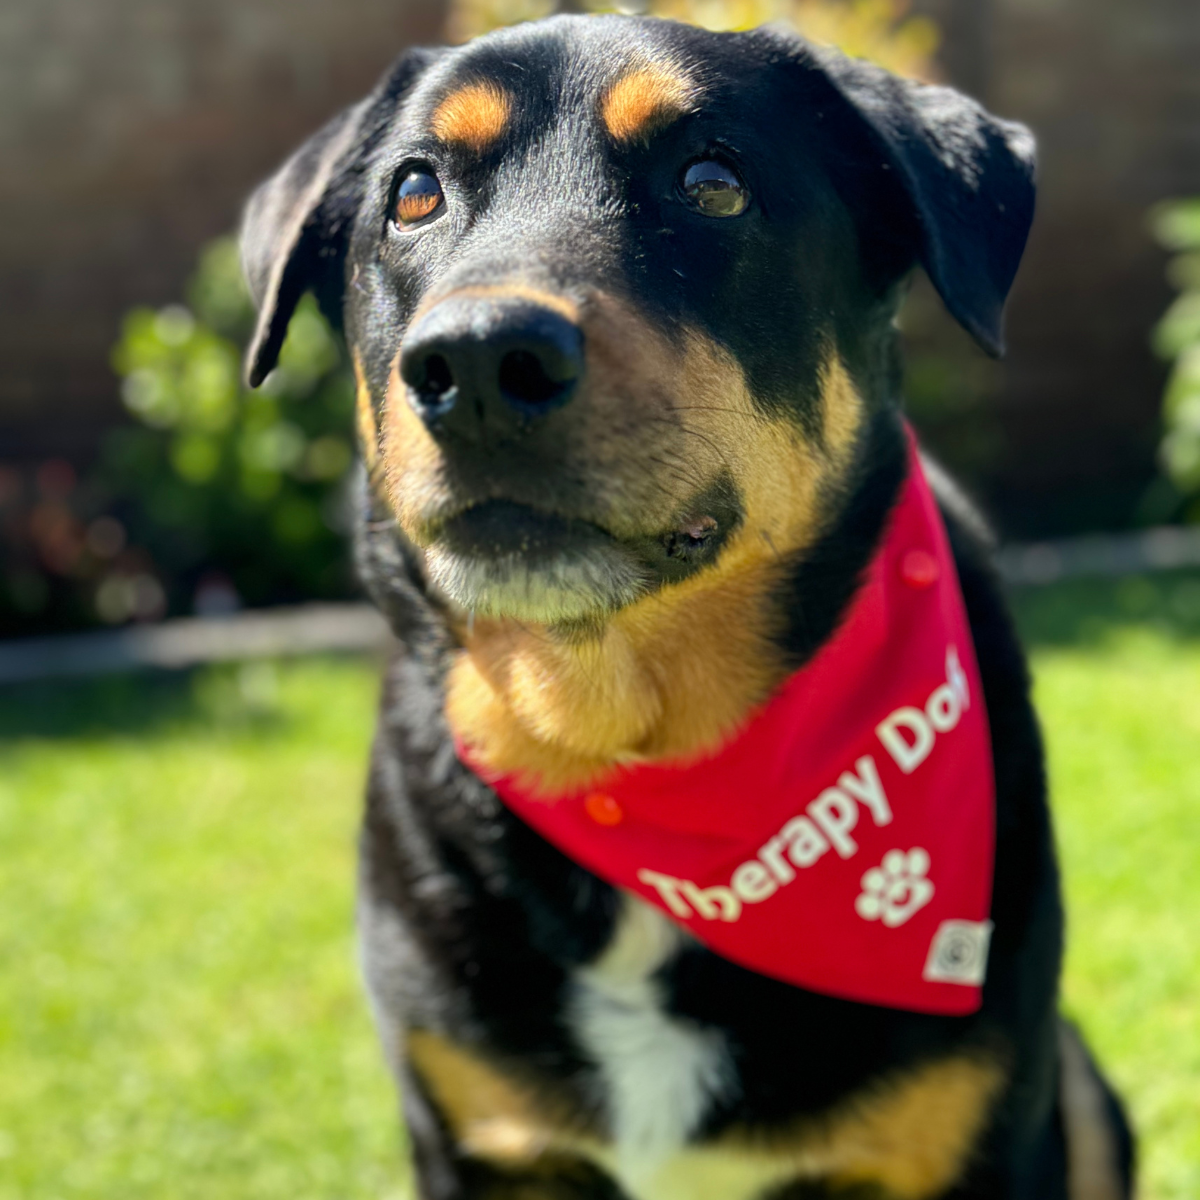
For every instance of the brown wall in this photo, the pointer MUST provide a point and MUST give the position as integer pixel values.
(1112, 89)
(130, 132)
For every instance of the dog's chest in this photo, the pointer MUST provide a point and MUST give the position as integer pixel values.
(656, 1077)
(660, 1073)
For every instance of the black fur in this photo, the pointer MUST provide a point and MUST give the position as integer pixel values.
(472, 923)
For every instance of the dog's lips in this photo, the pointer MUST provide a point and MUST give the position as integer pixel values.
(496, 529)
(505, 558)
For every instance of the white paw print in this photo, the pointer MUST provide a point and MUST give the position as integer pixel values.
(897, 889)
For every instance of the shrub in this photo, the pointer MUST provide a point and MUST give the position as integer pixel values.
(1177, 339)
(881, 30)
(218, 474)
(213, 497)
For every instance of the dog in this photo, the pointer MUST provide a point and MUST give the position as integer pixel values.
(619, 296)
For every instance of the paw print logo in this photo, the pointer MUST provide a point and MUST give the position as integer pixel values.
(891, 893)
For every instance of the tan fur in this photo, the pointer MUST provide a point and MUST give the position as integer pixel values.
(841, 408)
(364, 417)
(1092, 1171)
(644, 102)
(674, 673)
(412, 463)
(491, 1115)
(669, 676)
(912, 1135)
(475, 116)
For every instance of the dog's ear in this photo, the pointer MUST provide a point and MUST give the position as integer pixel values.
(295, 225)
(968, 177)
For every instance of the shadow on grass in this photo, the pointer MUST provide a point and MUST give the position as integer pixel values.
(1081, 612)
(228, 697)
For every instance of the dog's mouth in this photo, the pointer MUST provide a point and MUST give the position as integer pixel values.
(500, 558)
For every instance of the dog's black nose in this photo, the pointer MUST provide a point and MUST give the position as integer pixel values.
(475, 364)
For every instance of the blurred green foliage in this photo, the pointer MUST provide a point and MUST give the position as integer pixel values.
(212, 497)
(214, 473)
(1177, 339)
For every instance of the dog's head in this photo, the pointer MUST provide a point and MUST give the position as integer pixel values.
(620, 292)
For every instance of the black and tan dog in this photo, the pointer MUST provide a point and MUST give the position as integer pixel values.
(619, 294)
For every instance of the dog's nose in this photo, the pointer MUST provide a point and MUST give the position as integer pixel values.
(474, 363)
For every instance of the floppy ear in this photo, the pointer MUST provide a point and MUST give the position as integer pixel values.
(968, 176)
(295, 225)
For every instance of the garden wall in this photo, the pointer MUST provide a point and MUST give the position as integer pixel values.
(1112, 89)
(130, 133)
(130, 130)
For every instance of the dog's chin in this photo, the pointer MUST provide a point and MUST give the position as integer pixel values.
(506, 560)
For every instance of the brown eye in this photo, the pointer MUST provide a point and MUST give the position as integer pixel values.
(715, 189)
(419, 196)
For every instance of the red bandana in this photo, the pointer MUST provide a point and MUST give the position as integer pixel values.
(843, 840)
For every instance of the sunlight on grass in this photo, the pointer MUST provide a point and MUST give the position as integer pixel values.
(1123, 730)
(180, 1013)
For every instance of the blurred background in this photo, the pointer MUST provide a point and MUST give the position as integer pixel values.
(136, 479)
(178, 1007)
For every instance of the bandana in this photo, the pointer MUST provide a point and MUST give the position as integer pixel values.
(842, 840)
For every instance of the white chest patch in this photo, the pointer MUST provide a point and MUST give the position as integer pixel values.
(660, 1072)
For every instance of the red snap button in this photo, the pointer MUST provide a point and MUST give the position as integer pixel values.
(603, 809)
(919, 569)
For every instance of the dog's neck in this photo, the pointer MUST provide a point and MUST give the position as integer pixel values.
(664, 679)
(668, 677)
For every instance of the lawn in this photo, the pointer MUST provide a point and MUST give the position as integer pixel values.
(180, 1016)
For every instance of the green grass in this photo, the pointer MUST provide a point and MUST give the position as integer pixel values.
(180, 1015)
(1117, 671)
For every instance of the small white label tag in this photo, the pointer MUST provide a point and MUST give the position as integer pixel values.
(958, 953)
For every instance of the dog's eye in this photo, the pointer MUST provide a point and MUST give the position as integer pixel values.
(714, 189)
(418, 196)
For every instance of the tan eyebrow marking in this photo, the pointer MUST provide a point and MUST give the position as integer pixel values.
(475, 116)
(645, 101)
